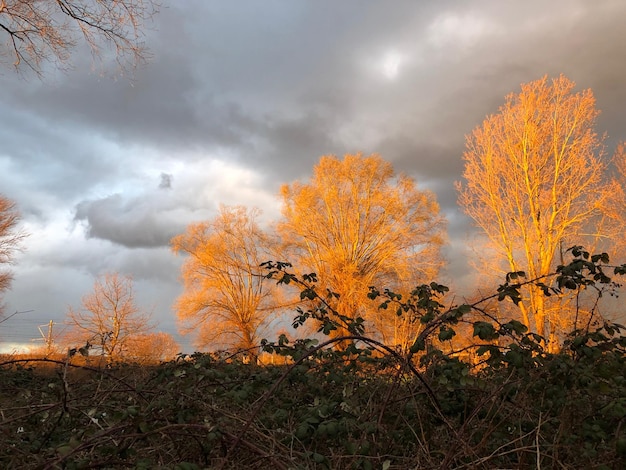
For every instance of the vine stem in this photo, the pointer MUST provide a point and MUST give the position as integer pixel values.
(274, 387)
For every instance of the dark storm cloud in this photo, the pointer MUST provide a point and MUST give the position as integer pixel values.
(270, 83)
(277, 83)
(166, 108)
(167, 105)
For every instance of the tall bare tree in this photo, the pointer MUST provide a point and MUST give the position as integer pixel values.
(357, 224)
(10, 239)
(534, 185)
(39, 31)
(226, 301)
(109, 317)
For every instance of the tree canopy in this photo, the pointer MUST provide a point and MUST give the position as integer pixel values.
(109, 317)
(225, 301)
(47, 30)
(533, 182)
(356, 224)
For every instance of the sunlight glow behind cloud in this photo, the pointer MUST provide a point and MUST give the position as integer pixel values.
(391, 64)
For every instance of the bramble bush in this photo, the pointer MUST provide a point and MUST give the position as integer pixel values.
(499, 401)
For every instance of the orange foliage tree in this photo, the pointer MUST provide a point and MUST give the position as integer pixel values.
(109, 317)
(534, 185)
(150, 348)
(226, 300)
(357, 224)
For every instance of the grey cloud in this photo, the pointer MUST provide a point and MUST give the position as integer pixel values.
(166, 181)
(148, 215)
(132, 223)
(237, 80)
(196, 91)
(164, 109)
(149, 264)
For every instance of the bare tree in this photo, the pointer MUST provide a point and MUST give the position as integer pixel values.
(534, 182)
(357, 224)
(109, 317)
(10, 238)
(39, 31)
(226, 300)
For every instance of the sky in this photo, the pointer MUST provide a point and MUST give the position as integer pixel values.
(241, 97)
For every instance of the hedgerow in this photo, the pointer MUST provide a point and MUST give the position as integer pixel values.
(508, 404)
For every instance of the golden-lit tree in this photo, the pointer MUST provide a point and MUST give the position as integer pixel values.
(109, 317)
(151, 348)
(357, 224)
(10, 238)
(614, 210)
(47, 30)
(226, 300)
(534, 185)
